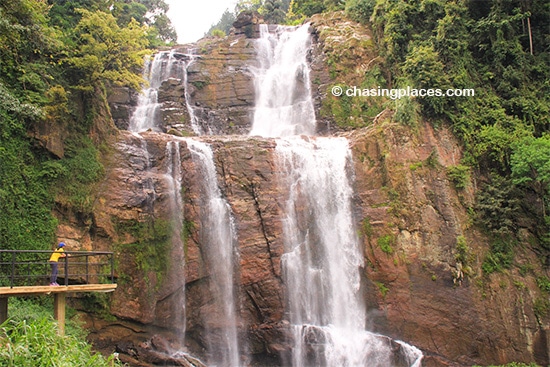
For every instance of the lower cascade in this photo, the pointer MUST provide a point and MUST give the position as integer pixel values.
(218, 235)
(322, 260)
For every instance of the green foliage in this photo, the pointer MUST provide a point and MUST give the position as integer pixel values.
(424, 69)
(541, 307)
(360, 10)
(386, 243)
(407, 111)
(78, 172)
(415, 166)
(366, 227)
(543, 283)
(497, 205)
(274, 11)
(485, 46)
(106, 52)
(459, 175)
(218, 33)
(30, 339)
(462, 250)
(150, 247)
(382, 288)
(308, 7)
(433, 159)
(25, 201)
(500, 256)
(530, 164)
(224, 24)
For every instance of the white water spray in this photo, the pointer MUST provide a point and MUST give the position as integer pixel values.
(194, 120)
(323, 258)
(218, 236)
(283, 94)
(173, 179)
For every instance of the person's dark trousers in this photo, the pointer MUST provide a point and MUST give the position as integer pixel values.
(53, 278)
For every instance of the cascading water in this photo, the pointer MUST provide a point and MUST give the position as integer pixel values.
(190, 109)
(163, 66)
(218, 235)
(147, 109)
(322, 259)
(175, 201)
(283, 96)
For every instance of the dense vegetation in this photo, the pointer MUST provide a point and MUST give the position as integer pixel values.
(500, 49)
(55, 60)
(29, 338)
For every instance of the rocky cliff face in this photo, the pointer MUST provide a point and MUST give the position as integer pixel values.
(413, 287)
(422, 279)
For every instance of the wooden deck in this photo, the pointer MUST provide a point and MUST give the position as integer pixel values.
(59, 294)
(38, 290)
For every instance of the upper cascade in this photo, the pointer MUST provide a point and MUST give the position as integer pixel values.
(284, 105)
(146, 114)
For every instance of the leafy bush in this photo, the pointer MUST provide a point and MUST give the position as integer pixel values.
(501, 256)
(459, 175)
(497, 205)
(360, 10)
(30, 338)
(217, 33)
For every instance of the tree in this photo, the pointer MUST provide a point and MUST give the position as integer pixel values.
(530, 163)
(224, 24)
(107, 52)
(273, 11)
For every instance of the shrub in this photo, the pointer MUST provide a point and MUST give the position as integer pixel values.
(218, 33)
(459, 175)
(360, 10)
(501, 256)
(29, 338)
(385, 243)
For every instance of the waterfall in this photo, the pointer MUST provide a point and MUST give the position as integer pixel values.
(283, 95)
(147, 110)
(323, 258)
(175, 204)
(163, 66)
(194, 120)
(218, 236)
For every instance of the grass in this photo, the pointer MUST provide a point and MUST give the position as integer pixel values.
(29, 339)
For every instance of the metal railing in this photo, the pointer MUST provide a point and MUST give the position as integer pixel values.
(32, 267)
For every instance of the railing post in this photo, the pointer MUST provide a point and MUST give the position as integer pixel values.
(87, 270)
(67, 270)
(13, 258)
(112, 256)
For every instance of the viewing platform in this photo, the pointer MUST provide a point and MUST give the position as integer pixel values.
(25, 273)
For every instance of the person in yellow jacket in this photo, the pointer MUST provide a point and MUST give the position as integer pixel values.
(54, 262)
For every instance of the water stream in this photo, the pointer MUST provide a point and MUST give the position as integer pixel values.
(323, 258)
(283, 96)
(219, 238)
